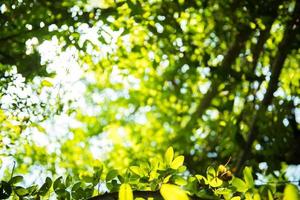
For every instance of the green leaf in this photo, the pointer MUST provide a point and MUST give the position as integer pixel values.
(97, 174)
(121, 179)
(88, 192)
(76, 186)
(270, 196)
(169, 155)
(248, 177)
(173, 192)
(111, 175)
(181, 169)
(125, 192)
(215, 182)
(256, 196)
(223, 191)
(77, 194)
(137, 170)
(58, 184)
(63, 194)
(45, 187)
(212, 177)
(32, 189)
(177, 162)
(290, 192)
(201, 179)
(68, 180)
(166, 179)
(180, 181)
(87, 178)
(16, 179)
(211, 172)
(239, 184)
(20, 191)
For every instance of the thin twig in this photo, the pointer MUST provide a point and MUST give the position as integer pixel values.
(13, 169)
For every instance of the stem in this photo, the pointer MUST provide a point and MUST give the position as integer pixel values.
(13, 169)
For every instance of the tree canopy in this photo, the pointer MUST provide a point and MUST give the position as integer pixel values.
(104, 99)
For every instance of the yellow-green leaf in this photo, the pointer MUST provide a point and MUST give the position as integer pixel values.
(236, 198)
(137, 170)
(173, 192)
(180, 181)
(215, 182)
(256, 196)
(248, 177)
(125, 192)
(270, 196)
(201, 178)
(169, 155)
(46, 83)
(290, 192)
(166, 180)
(177, 162)
(239, 184)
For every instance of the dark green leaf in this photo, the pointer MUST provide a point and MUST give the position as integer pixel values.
(16, 179)
(5, 190)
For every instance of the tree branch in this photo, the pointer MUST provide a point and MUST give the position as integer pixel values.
(141, 194)
(276, 67)
(228, 60)
(257, 49)
(138, 194)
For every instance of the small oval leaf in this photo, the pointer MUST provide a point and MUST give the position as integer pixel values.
(177, 162)
(169, 155)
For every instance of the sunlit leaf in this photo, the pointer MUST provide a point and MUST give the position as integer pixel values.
(270, 195)
(201, 178)
(169, 155)
(125, 192)
(135, 169)
(173, 192)
(166, 179)
(46, 83)
(239, 184)
(291, 192)
(177, 162)
(256, 196)
(211, 172)
(248, 176)
(180, 181)
(215, 182)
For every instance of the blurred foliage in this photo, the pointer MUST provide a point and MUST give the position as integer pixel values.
(216, 80)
